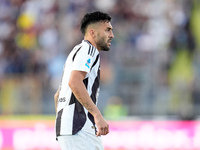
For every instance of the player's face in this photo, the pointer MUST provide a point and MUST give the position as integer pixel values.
(104, 36)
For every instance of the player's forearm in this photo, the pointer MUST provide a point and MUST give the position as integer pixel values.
(83, 97)
(80, 92)
(78, 88)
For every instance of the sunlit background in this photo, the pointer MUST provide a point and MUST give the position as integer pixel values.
(150, 78)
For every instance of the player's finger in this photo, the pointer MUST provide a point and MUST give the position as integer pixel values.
(101, 131)
(98, 133)
(107, 129)
(104, 131)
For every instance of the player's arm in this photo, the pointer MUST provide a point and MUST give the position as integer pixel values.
(56, 95)
(78, 88)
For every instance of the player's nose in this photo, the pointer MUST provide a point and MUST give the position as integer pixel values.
(111, 35)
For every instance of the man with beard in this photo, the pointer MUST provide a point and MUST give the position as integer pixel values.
(79, 123)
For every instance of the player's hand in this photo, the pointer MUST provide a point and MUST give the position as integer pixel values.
(102, 125)
(56, 95)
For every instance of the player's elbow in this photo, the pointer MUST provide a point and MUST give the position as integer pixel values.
(72, 83)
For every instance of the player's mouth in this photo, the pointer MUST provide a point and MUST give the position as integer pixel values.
(109, 42)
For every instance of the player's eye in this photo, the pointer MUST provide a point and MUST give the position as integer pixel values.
(108, 29)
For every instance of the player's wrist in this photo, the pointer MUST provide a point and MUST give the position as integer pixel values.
(97, 114)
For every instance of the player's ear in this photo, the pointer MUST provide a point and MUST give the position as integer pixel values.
(92, 33)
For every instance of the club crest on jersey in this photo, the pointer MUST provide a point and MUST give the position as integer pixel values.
(87, 64)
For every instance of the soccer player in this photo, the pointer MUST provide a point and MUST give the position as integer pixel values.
(79, 123)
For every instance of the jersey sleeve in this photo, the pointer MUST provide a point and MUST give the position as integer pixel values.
(83, 60)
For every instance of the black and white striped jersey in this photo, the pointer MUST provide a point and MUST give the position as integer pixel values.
(71, 115)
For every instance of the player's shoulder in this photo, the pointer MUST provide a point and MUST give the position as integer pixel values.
(88, 48)
(85, 45)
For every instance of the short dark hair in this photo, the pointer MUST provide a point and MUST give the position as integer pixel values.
(93, 17)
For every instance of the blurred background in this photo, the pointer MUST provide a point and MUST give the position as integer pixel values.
(152, 70)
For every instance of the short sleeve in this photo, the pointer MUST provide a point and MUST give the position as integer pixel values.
(83, 61)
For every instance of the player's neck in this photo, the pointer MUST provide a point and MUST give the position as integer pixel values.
(91, 42)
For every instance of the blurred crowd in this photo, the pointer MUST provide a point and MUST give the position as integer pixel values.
(152, 68)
